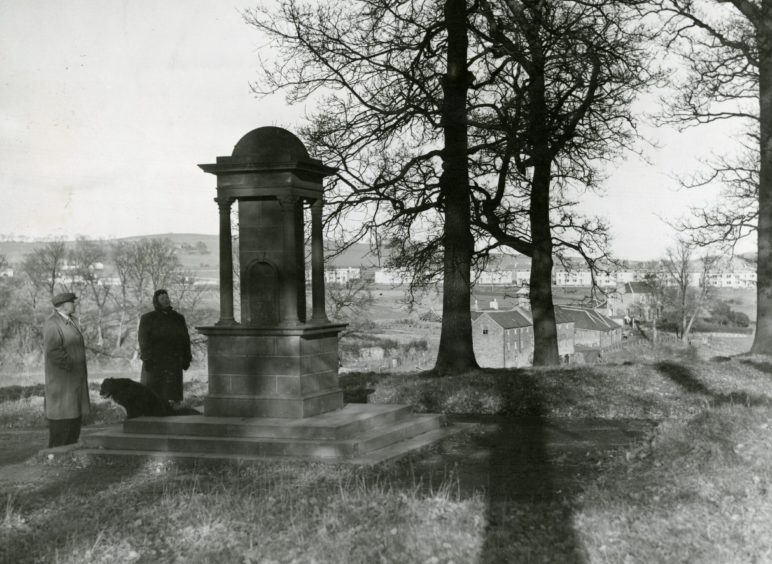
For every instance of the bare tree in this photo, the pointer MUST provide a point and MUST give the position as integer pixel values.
(142, 266)
(189, 296)
(557, 87)
(43, 269)
(735, 216)
(20, 324)
(121, 255)
(395, 125)
(690, 292)
(727, 45)
(87, 260)
(547, 92)
(657, 286)
(350, 299)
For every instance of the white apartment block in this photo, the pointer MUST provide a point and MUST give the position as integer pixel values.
(396, 277)
(494, 278)
(583, 277)
(576, 277)
(522, 277)
(739, 278)
(392, 276)
(341, 275)
(736, 279)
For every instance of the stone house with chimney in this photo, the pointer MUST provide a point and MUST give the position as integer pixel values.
(504, 339)
(592, 329)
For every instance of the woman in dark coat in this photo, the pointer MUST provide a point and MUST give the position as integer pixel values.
(164, 346)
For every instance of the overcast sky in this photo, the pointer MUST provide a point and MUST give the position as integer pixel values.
(107, 106)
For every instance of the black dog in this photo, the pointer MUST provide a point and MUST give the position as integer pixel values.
(138, 400)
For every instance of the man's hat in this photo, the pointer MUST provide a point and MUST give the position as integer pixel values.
(65, 297)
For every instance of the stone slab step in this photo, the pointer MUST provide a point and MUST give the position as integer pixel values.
(395, 451)
(256, 446)
(351, 420)
(390, 453)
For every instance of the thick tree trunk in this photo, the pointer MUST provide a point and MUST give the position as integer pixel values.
(545, 334)
(762, 342)
(456, 353)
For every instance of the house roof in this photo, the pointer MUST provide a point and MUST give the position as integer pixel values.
(584, 318)
(506, 319)
(636, 288)
(518, 317)
(561, 316)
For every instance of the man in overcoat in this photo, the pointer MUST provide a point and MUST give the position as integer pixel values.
(164, 346)
(67, 399)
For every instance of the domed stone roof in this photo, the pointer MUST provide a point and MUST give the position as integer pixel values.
(270, 145)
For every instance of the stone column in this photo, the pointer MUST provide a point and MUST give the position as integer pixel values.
(226, 263)
(317, 263)
(300, 263)
(289, 282)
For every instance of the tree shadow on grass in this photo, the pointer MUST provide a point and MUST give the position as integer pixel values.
(529, 497)
(690, 382)
(761, 366)
(65, 508)
(519, 463)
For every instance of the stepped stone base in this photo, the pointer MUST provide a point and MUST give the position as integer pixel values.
(356, 433)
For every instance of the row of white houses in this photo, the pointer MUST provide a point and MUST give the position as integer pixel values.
(737, 274)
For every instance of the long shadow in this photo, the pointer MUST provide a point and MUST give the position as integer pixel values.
(81, 483)
(761, 366)
(19, 445)
(529, 480)
(55, 524)
(688, 380)
(529, 500)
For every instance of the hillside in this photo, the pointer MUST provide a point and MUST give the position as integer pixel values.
(204, 265)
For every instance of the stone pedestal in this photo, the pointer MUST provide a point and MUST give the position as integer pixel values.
(273, 371)
(276, 372)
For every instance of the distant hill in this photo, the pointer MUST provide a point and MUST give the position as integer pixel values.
(14, 251)
(358, 255)
(186, 243)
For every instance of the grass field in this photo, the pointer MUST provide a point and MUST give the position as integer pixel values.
(696, 488)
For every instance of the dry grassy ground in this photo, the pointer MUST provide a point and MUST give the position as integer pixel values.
(691, 484)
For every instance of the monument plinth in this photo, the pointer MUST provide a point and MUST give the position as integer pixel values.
(273, 373)
(277, 361)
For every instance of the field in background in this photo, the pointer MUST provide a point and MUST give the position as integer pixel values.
(402, 329)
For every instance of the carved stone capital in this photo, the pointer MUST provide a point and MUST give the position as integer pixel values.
(224, 204)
